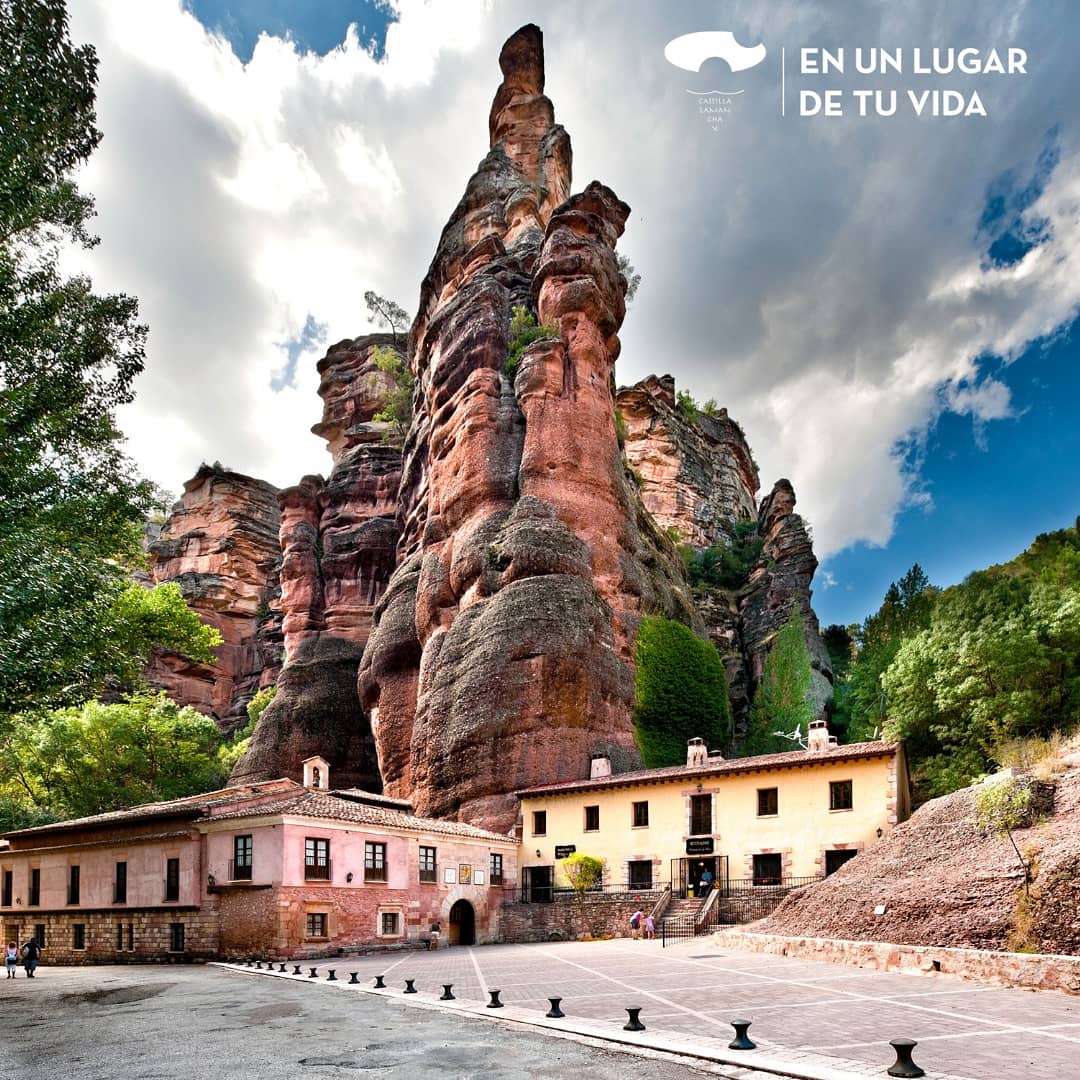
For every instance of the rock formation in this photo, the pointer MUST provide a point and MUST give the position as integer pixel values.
(220, 545)
(338, 550)
(502, 653)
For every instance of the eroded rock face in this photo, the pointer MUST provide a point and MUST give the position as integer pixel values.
(338, 545)
(220, 545)
(502, 651)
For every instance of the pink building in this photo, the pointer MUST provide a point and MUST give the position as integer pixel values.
(270, 868)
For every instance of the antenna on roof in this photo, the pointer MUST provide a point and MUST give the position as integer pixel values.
(795, 736)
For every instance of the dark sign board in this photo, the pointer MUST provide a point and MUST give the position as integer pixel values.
(562, 850)
(699, 845)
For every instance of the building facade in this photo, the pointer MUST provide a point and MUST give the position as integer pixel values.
(277, 867)
(763, 820)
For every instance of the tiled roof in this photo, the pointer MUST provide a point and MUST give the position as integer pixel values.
(315, 805)
(195, 806)
(852, 752)
(359, 795)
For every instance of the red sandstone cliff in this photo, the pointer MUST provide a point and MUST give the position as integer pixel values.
(220, 545)
(502, 652)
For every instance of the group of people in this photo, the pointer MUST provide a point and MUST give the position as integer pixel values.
(640, 920)
(30, 952)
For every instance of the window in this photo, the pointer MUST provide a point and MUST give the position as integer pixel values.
(78, 935)
(9, 877)
(317, 858)
(119, 936)
(495, 869)
(641, 874)
(389, 922)
(316, 924)
(427, 864)
(316, 777)
(374, 862)
(35, 887)
(172, 881)
(176, 937)
(767, 802)
(835, 859)
(640, 815)
(840, 795)
(241, 867)
(539, 823)
(592, 818)
(700, 815)
(39, 933)
(120, 884)
(73, 884)
(131, 936)
(768, 869)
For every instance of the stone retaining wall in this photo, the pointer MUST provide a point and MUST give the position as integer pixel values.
(1033, 971)
(569, 920)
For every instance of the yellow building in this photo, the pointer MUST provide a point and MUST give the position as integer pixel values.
(771, 819)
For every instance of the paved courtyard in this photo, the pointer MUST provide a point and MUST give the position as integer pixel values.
(696, 988)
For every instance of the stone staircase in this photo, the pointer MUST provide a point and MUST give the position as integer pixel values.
(681, 910)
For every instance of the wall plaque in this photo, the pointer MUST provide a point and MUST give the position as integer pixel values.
(562, 850)
(699, 845)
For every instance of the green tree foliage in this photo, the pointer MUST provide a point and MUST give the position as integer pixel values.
(633, 278)
(397, 407)
(685, 403)
(726, 567)
(96, 757)
(680, 692)
(234, 748)
(583, 872)
(783, 700)
(385, 312)
(523, 332)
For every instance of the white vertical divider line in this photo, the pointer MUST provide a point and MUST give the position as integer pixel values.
(783, 81)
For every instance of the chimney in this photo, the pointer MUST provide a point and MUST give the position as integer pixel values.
(599, 766)
(697, 754)
(818, 739)
(317, 774)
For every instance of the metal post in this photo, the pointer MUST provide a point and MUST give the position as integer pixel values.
(353, 978)
(409, 988)
(331, 977)
(447, 995)
(281, 967)
(314, 973)
(904, 1066)
(494, 1003)
(741, 1041)
(634, 1023)
(379, 984)
(555, 1012)
(296, 969)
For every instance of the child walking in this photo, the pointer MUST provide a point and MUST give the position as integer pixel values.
(11, 956)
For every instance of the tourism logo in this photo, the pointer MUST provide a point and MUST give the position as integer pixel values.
(691, 51)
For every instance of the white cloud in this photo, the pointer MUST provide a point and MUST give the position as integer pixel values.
(827, 281)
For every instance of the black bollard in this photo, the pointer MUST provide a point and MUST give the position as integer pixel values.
(904, 1065)
(258, 965)
(446, 992)
(555, 1012)
(741, 1042)
(494, 1003)
(250, 963)
(409, 988)
(314, 973)
(331, 977)
(281, 968)
(379, 984)
(353, 978)
(296, 969)
(634, 1023)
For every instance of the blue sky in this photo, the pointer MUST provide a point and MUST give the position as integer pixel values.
(848, 289)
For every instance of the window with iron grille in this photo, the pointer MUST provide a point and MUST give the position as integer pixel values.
(242, 852)
(374, 862)
(35, 887)
(8, 890)
(840, 795)
(427, 864)
(131, 936)
(78, 935)
(120, 884)
(317, 858)
(768, 802)
(495, 869)
(641, 874)
(39, 933)
(700, 815)
(592, 818)
(640, 815)
(316, 924)
(176, 937)
(172, 880)
(768, 869)
(390, 923)
(119, 936)
(73, 885)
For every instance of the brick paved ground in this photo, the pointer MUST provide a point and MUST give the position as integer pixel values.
(696, 988)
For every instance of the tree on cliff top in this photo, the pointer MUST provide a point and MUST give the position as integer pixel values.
(71, 504)
(386, 312)
(680, 692)
(783, 700)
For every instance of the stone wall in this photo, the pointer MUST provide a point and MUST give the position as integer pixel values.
(570, 919)
(1032, 971)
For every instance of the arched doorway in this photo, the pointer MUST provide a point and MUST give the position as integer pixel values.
(462, 924)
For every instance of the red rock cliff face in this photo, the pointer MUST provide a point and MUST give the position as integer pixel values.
(502, 652)
(338, 543)
(219, 544)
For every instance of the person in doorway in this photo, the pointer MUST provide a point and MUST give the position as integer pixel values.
(650, 927)
(635, 923)
(31, 953)
(706, 881)
(11, 956)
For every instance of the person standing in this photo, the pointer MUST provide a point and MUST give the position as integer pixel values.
(650, 927)
(31, 952)
(706, 881)
(635, 923)
(11, 956)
